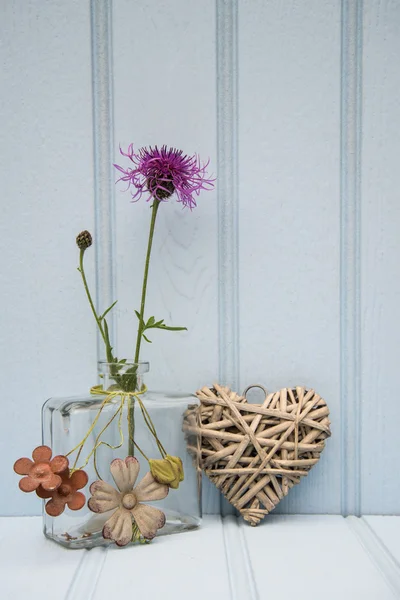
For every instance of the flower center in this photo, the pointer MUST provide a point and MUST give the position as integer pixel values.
(40, 470)
(161, 189)
(129, 501)
(64, 490)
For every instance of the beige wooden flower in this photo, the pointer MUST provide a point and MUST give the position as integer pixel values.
(128, 502)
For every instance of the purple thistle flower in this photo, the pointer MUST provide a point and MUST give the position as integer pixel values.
(160, 173)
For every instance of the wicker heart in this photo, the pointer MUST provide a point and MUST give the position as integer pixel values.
(254, 453)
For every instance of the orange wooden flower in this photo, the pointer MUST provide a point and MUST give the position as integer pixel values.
(41, 471)
(66, 493)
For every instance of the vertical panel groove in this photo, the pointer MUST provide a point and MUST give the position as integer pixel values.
(101, 24)
(350, 331)
(377, 551)
(240, 572)
(227, 116)
(227, 157)
(84, 583)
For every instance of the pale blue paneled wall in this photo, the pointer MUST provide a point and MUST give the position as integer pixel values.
(47, 183)
(285, 275)
(379, 221)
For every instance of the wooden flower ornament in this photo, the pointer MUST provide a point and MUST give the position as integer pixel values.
(130, 518)
(66, 494)
(41, 471)
(50, 478)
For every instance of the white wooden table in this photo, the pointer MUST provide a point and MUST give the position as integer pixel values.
(286, 557)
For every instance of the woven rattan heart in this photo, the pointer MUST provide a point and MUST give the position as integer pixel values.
(255, 453)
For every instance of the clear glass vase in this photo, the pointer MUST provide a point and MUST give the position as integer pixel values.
(103, 419)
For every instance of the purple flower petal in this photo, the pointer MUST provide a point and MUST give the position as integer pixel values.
(159, 173)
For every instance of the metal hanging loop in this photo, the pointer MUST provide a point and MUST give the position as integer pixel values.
(255, 385)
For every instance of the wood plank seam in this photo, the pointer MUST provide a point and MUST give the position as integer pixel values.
(227, 115)
(227, 158)
(350, 330)
(238, 563)
(103, 150)
(377, 551)
(84, 583)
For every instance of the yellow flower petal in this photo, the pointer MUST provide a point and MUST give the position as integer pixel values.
(162, 471)
(176, 461)
(168, 471)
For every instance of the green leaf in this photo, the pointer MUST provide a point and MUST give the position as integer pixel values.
(167, 328)
(108, 310)
(153, 324)
(106, 332)
(147, 339)
(141, 322)
(108, 345)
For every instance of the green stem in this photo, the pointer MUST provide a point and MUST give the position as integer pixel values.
(145, 277)
(131, 426)
(89, 297)
(131, 403)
